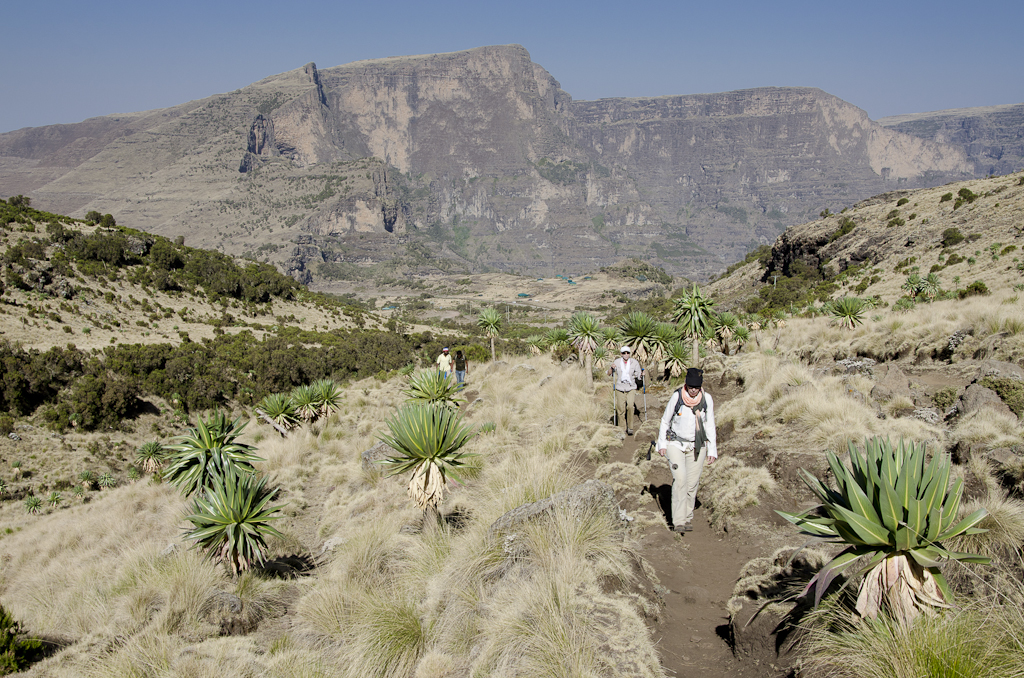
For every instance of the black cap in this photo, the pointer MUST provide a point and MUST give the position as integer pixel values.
(694, 377)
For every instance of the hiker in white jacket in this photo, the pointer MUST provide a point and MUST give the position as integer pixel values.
(687, 439)
(625, 371)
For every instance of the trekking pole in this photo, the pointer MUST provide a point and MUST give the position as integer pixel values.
(645, 393)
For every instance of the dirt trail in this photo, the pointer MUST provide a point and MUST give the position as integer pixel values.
(698, 569)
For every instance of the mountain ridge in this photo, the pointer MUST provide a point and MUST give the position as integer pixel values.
(474, 160)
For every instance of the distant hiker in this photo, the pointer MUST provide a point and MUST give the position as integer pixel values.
(687, 439)
(460, 368)
(626, 371)
(444, 362)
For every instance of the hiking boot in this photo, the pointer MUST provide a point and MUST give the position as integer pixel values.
(629, 431)
(688, 527)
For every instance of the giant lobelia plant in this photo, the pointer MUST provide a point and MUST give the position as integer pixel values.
(428, 440)
(432, 387)
(231, 520)
(894, 509)
(208, 449)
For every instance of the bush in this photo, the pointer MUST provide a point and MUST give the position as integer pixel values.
(945, 397)
(946, 197)
(976, 288)
(901, 202)
(964, 197)
(952, 236)
(15, 654)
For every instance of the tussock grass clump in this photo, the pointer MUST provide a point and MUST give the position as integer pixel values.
(385, 598)
(730, 486)
(983, 639)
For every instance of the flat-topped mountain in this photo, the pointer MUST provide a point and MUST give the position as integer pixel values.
(473, 160)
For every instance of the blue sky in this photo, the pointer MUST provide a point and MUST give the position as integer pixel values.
(62, 61)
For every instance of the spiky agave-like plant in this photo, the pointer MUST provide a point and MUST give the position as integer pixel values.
(693, 311)
(612, 339)
(209, 449)
(894, 509)
(307, 405)
(848, 312)
(150, 456)
(431, 387)
(428, 441)
(725, 325)
(490, 322)
(638, 331)
(677, 357)
(328, 395)
(231, 520)
(279, 409)
(537, 343)
(585, 335)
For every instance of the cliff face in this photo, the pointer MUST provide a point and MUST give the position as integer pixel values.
(472, 160)
(992, 137)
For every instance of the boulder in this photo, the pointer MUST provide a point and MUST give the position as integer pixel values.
(891, 383)
(977, 397)
(375, 454)
(586, 499)
(999, 370)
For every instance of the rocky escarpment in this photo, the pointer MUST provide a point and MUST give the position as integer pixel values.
(478, 159)
(992, 136)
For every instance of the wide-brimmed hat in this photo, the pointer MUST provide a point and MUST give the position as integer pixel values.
(694, 377)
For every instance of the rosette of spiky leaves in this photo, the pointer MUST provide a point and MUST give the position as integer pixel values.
(279, 408)
(328, 395)
(54, 499)
(490, 322)
(724, 325)
(208, 450)
(428, 441)
(585, 335)
(913, 285)
(304, 398)
(894, 509)
(431, 387)
(106, 480)
(150, 456)
(848, 312)
(693, 311)
(557, 338)
(601, 356)
(231, 519)
(677, 357)
(612, 339)
(33, 504)
(537, 343)
(665, 334)
(931, 286)
(638, 332)
(741, 335)
(86, 479)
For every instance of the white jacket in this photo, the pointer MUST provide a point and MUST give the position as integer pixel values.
(684, 424)
(626, 373)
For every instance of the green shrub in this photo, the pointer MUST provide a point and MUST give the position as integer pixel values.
(946, 197)
(952, 236)
(15, 654)
(901, 202)
(945, 397)
(846, 224)
(976, 288)
(964, 197)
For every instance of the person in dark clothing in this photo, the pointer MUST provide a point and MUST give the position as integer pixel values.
(461, 367)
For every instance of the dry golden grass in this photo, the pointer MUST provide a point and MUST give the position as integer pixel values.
(385, 600)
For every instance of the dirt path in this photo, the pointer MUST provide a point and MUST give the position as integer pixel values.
(698, 569)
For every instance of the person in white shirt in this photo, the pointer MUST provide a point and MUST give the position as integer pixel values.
(444, 362)
(626, 371)
(687, 439)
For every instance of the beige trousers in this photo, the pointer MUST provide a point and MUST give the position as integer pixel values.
(685, 477)
(624, 402)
